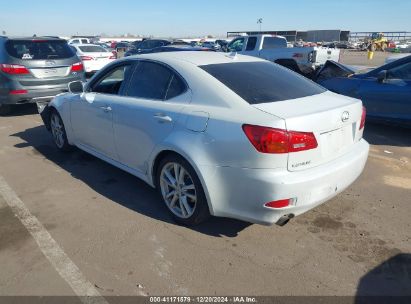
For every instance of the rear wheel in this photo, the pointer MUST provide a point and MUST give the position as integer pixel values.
(58, 131)
(182, 191)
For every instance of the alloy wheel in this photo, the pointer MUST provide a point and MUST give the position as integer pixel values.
(178, 190)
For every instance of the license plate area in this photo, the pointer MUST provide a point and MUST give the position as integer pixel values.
(336, 141)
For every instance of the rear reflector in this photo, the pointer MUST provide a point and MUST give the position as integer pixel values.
(14, 69)
(17, 92)
(77, 67)
(363, 115)
(279, 204)
(269, 140)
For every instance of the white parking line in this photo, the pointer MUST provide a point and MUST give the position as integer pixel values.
(51, 249)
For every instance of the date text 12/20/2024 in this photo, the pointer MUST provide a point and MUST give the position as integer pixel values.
(234, 299)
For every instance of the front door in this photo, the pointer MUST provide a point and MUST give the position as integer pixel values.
(92, 113)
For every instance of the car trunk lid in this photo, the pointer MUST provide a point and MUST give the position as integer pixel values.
(333, 119)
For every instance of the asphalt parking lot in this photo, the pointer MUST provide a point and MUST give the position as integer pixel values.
(116, 234)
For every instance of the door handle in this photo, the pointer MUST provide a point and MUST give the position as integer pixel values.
(163, 118)
(106, 109)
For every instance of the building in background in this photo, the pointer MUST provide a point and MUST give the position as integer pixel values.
(294, 35)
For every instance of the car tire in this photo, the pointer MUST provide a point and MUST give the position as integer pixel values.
(5, 109)
(58, 132)
(188, 205)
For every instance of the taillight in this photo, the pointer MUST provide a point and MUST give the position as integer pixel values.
(18, 92)
(270, 140)
(77, 67)
(86, 58)
(363, 115)
(14, 69)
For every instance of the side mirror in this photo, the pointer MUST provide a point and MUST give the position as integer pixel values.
(76, 87)
(382, 76)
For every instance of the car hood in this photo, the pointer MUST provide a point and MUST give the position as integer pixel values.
(332, 69)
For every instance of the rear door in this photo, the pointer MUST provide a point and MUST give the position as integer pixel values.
(155, 98)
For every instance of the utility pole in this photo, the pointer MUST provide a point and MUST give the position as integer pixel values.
(260, 23)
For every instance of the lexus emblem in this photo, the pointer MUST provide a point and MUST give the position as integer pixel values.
(345, 116)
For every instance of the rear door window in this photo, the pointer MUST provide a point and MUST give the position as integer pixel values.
(262, 82)
(273, 43)
(154, 81)
(39, 49)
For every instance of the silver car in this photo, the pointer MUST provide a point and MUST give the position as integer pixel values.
(216, 134)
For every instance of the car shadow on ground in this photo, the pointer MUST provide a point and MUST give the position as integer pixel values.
(115, 184)
(23, 110)
(389, 282)
(387, 135)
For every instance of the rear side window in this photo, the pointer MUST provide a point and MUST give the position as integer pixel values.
(39, 49)
(274, 42)
(155, 81)
(262, 82)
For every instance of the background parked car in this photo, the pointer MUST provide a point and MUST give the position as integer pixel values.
(146, 46)
(35, 69)
(385, 91)
(94, 57)
(171, 48)
(79, 41)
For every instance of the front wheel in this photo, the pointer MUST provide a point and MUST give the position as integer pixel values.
(182, 191)
(58, 131)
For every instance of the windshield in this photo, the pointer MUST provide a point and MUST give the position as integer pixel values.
(39, 49)
(262, 82)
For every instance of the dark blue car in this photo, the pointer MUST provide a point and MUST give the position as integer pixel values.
(385, 91)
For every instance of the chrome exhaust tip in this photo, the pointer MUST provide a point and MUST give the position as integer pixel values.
(284, 219)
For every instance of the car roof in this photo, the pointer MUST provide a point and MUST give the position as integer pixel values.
(198, 58)
(33, 38)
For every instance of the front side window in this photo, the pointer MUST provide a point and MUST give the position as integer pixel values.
(262, 82)
(400, 72)
(112, 82)
(154, 81)
(236, 45)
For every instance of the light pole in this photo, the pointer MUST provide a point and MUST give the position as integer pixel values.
(260, 23)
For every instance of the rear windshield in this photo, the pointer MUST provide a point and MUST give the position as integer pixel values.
(262, 82)
(39, 50)
(92, 49)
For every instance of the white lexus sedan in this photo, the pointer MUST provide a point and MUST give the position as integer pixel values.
(94, 57)
(217, 134)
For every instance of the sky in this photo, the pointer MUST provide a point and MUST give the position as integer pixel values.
(193, 18)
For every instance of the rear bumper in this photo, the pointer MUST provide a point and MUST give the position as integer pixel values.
(241, 193)
(42, 95)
